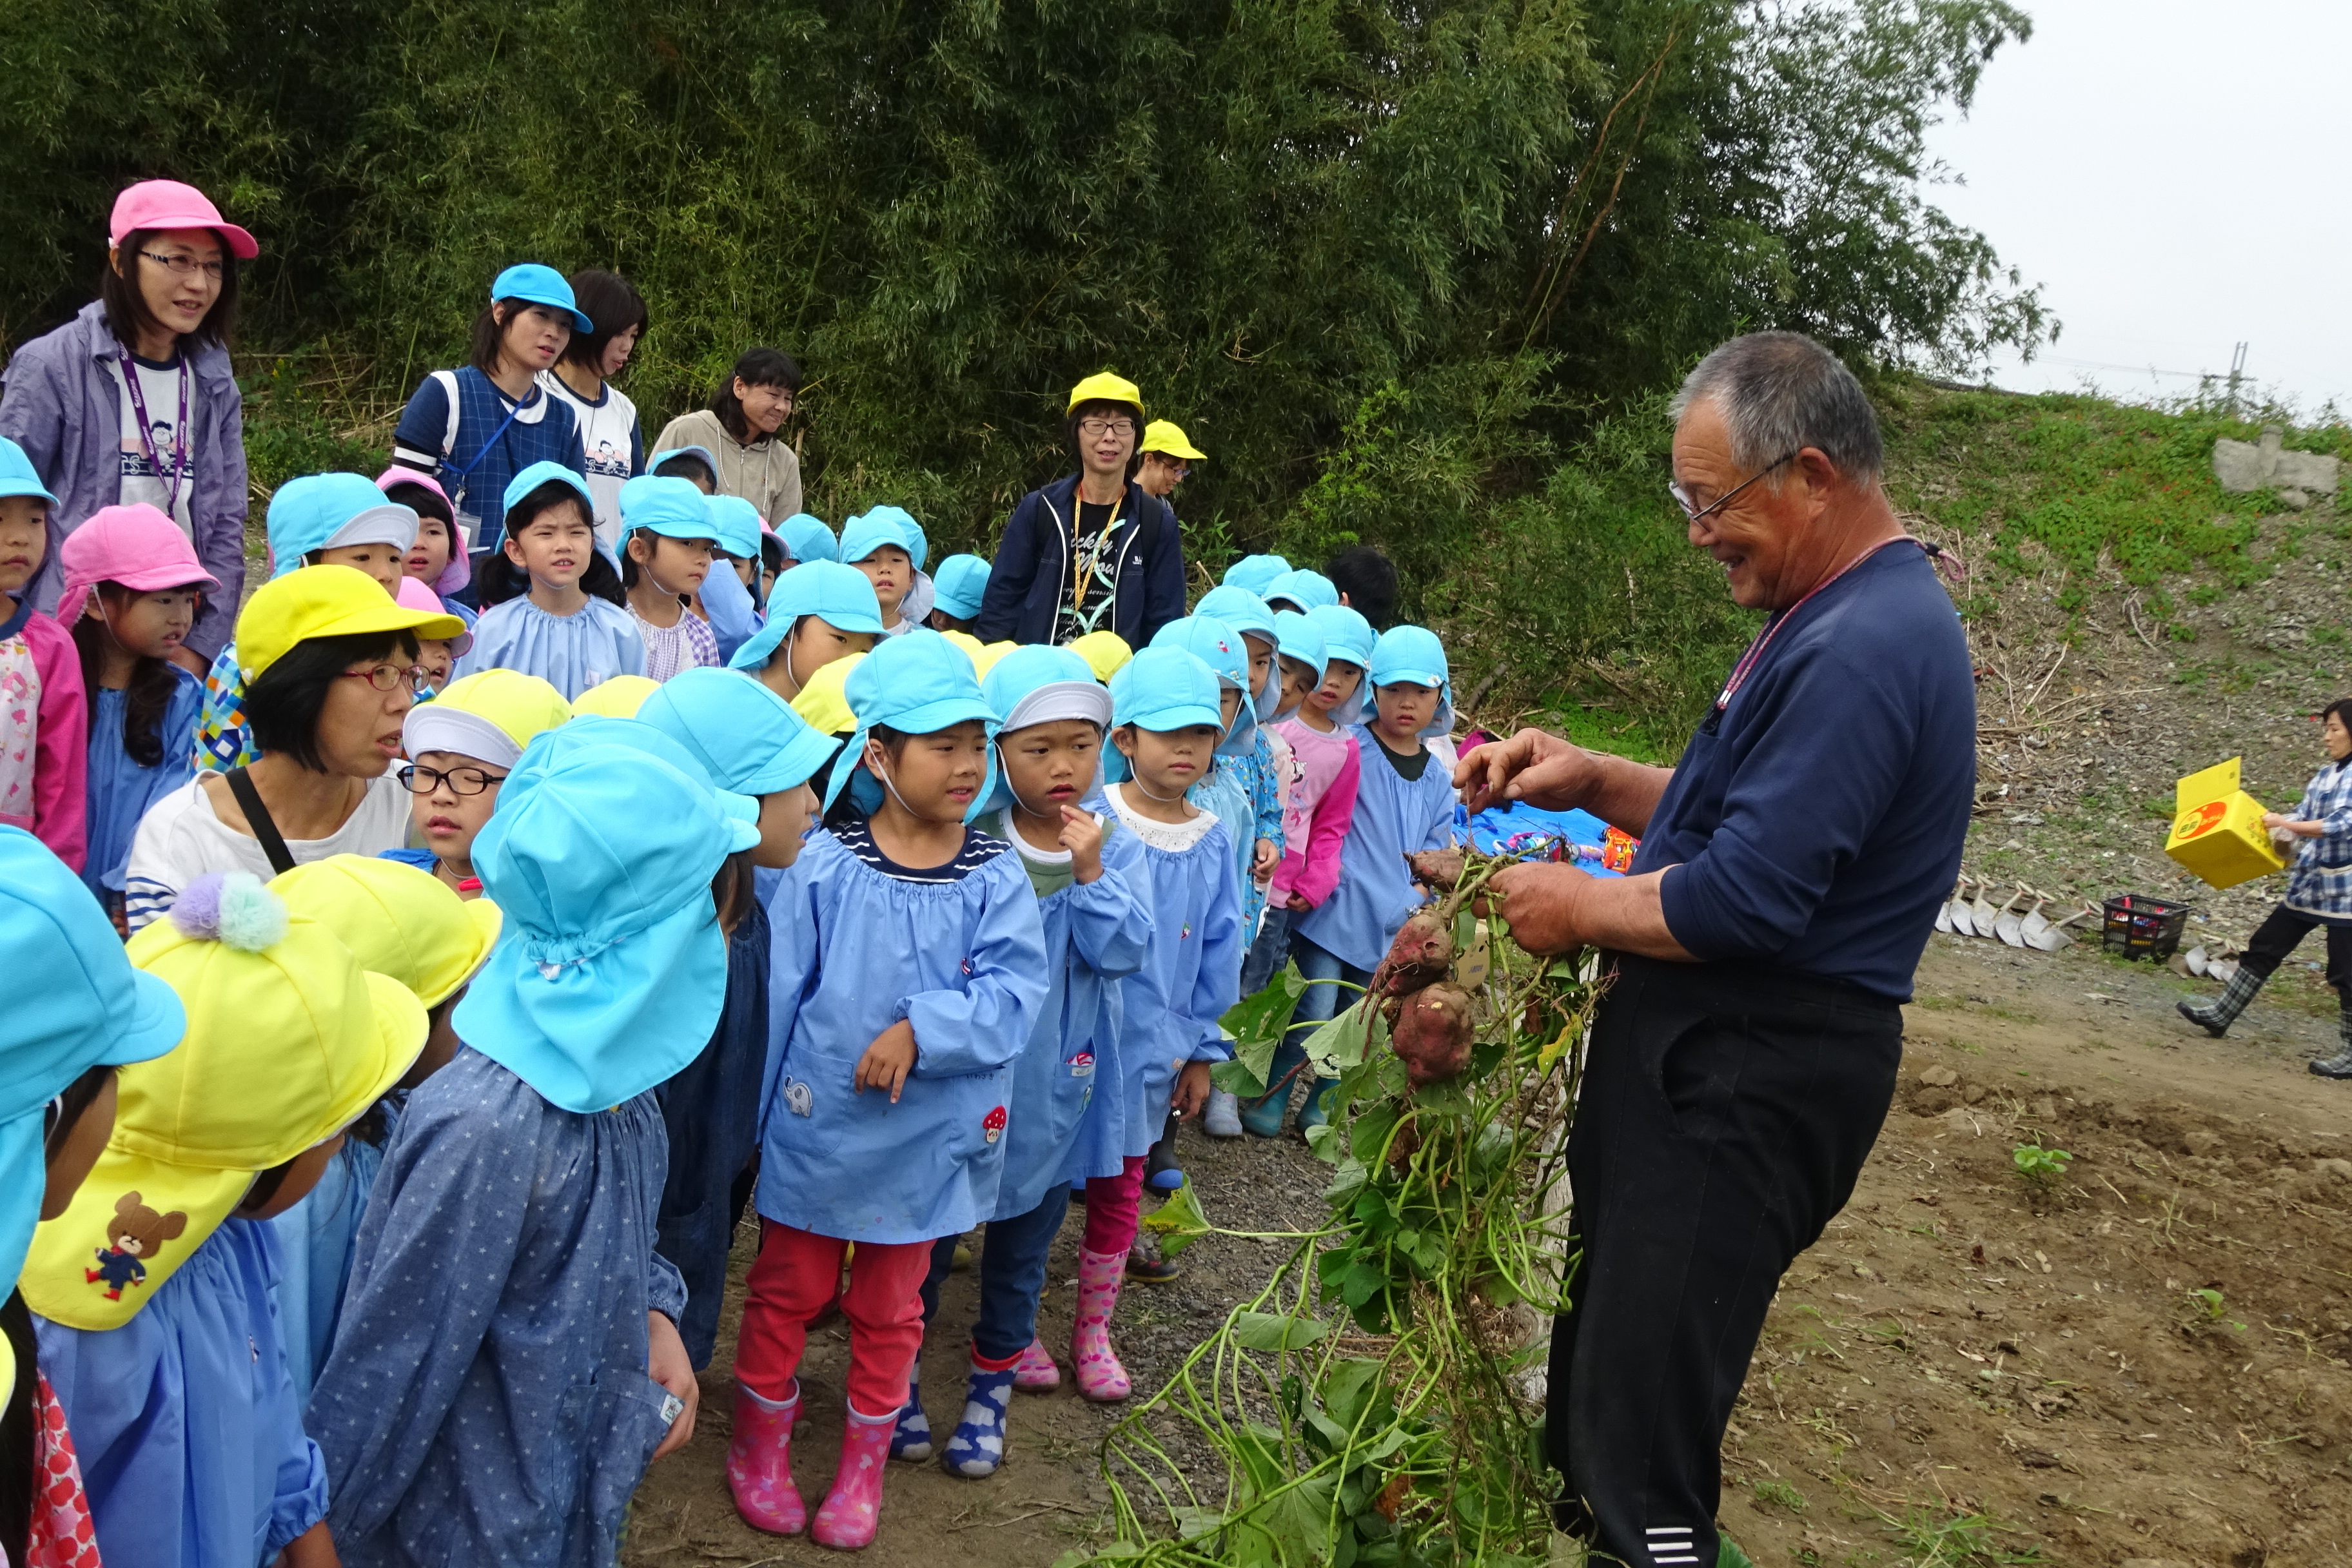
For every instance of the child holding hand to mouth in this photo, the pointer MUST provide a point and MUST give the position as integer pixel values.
(461, 746)
(555, 599)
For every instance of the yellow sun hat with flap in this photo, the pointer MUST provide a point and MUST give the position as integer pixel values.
(288, 1041)
(619, 698)
(397, 919)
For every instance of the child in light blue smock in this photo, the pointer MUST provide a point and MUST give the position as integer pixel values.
(909, 971)
(1404, 802)
(555, 605)
(1089, 880)
(1169, 722)
(508, 1362)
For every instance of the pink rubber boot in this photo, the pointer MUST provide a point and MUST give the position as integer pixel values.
(760, 1463)
(1100, 1377)
(1036, 1373)
(851, 1512)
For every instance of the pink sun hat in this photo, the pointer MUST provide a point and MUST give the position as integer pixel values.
(459, 571)
(136, 546)
(412, 595)
(167, 204)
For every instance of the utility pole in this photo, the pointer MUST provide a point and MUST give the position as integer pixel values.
(2237, 375)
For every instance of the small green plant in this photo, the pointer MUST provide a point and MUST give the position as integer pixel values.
(2205, 1309)
(1780, 1494)
(2040, 1169)
(1934, 1538)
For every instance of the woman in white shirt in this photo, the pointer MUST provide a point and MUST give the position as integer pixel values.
(331, 662)
(610, 438)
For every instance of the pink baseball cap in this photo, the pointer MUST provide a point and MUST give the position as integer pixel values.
(460, 568)
(136, 546)
(167, 204)
(412, 595)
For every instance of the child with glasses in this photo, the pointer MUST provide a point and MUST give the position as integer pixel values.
(460, 746)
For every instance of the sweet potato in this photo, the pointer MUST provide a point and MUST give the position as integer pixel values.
(1437, 867)
(1432, 1034)
(1421, 952)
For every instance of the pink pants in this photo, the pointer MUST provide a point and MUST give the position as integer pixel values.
(794, 1276)
(1112, 1203)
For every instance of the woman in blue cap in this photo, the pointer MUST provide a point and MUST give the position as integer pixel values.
(909, 971)
(59, 1044)
(751, 743)
(508, 1362)
(474, 429)
(555, 602)
(1090, 883)
(1169, 720)
(818, 611)
(670, 542)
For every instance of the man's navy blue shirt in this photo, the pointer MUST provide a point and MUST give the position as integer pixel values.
(1815, 823)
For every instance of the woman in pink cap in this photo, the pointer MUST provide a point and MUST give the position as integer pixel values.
(133, 590)
(133, 401)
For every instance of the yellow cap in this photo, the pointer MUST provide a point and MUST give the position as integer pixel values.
(324, 602)
(986, 659)
(1105, 387)
(495, 702)
(397, 919)
(619, 698)
(1104, 653)
(967, 645)
(824, 703)
(288, 1041)
(1167, 436)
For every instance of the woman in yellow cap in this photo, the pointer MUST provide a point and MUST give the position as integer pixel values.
(1167, 457)
(155, 1288)
(1093, 551)
(332, 662)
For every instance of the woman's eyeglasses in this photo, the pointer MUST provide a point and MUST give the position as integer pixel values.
(1096, 429)
(422, 780)
(393, 677)
(187, 265)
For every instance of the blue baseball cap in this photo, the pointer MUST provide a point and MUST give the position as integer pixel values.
(316, 511)
(960, 585)
(537, 285)
(808, 538)
(90, 1009)
(1037, 685)
(670, 507)
(611, 969)
(17, 474)
(918, 684)
(702, 455)
(1310, 591)
(838, 596)
(748, 738)
(1415, 654)
(1254, 572)
(543, 473)
(1298, 637)
(1250, 615)
(861, 536)
(734, 521)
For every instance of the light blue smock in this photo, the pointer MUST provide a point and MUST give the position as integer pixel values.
(854, 952)
(486, 1401)
(1226, 794)
(1174, 1002)
(189, 1434)
(315, 1239)
(570, 653)
(733, 617)
(1376, 896)
(1096, 934)
(120, 790)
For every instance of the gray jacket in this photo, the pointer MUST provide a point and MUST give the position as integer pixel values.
(63, 406)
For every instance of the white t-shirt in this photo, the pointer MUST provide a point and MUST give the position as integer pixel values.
(610, 440)
(181, 838)
(142, 481)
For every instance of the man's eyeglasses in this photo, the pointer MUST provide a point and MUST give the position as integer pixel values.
(1096, 429)
(422, 780)
(393, 677)
(187, 265)
(1693, 512)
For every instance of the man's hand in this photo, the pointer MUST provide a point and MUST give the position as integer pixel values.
(1082, 835)
(1556, 908)
(668, 1363)
(1533, 766)
(888, 1060)
(1191, 1090)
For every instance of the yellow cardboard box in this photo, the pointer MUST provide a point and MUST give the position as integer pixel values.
(2217, 829)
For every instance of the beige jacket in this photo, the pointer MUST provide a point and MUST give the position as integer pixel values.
(765, 473)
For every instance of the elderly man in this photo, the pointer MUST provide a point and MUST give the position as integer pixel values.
(1743, 1059)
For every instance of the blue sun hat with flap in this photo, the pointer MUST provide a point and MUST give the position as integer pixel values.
(1301, 637)
(17, 475)
(1252, 616)
(672, 507)
(960, 585)
(1036, 684)
(745, 736)
(1346, 635)
(862, 535)
(1221, 647)
(807, 537)
(917, 684)
(838, 596)
(325, 512)
(1415, 654)
(611, 968)
(1163, 687)
(1309, 590)
(734, 523)
(1255, 572)
(660, 462)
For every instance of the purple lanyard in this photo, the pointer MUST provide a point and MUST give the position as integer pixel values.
(181, 457)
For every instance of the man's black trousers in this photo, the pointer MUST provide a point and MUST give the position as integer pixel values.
(1725, 1112)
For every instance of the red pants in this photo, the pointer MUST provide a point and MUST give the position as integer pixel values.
(794, 1276)
(1112, 1204)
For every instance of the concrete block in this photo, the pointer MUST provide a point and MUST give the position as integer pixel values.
(2241, 467)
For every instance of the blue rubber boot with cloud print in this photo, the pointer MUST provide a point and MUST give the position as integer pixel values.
(976, 1447)
(911, 1439)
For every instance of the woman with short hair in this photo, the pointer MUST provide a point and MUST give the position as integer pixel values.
(743, 429)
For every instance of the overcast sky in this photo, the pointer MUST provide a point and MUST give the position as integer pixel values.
(2170, 172)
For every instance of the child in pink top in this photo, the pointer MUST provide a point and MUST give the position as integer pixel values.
(1320, 696)
(44, 713)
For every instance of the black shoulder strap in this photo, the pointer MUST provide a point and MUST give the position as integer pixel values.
(256, 817)
(1146, 519)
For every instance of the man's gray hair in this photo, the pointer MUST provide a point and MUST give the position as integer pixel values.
(1780, 392)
